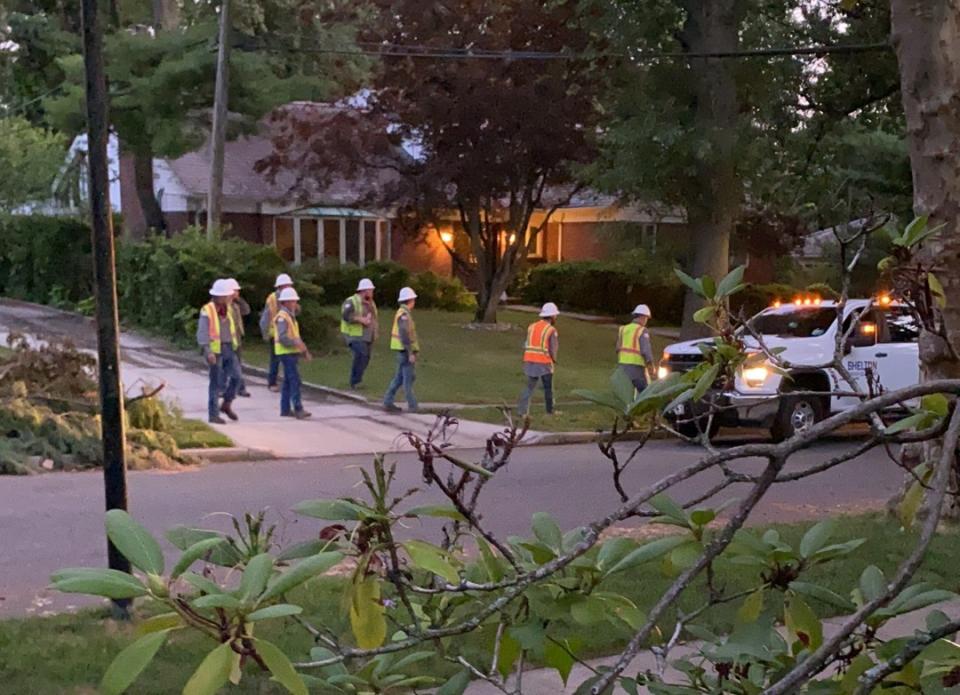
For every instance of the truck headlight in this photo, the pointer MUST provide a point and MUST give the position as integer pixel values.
(755, 377)
(663, 372)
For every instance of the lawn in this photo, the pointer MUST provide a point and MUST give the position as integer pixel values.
(459, 365)
(194, 434)
(69, 653)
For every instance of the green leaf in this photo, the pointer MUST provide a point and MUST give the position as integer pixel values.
(937, 291)
(510, 650)
(225, 601)
(183, 537)
(435, 510)
(556, 657)
(129, 663)
(705, 382)
(614, 550)
(668, 507)
(622, 387)
(704, 314)
(908, 423)
(301, 572)
(431, 558)
(589, 611)
(281, 610)
(648, 552)
(817, 537)
(751, 609)
(702, 517)
(98, 582)
(604, 398)
(255, 576)
(731, 282)
(213, 672)
(857, 668)
(910, 504)
(491, 563)
(457, 684)
(281, 668)
(686, 555)
(803, 623)
(823, 594)
(164, 621)
(547, 531)
(367, 616)
(194, 553)
(201, 583)
(306, 549)
(872, 583)
(134, 541)
(709, 287)
(936, 403)
(332, 510)
(693, 284)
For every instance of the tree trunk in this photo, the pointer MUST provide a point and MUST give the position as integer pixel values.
(712, 26)
(143, 180)
(218, 135)
(927, 39)
(166, 15)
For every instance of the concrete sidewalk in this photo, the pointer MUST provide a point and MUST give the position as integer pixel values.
(338, 426)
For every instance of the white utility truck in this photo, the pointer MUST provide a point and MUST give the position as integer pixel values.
(881, 355)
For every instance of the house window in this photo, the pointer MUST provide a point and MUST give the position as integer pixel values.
(648, 237)
(284, 240)
(309, 241)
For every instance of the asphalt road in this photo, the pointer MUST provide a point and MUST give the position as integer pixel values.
(53, 521)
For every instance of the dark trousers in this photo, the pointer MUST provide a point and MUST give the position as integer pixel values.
(227, 371)
(547, 380)
(636, 374)
(290, 392)
(274, 370)
(405, 376)
(361, 358)
(242, 383)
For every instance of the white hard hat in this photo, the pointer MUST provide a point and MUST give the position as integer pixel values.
(642, 310)
(220, 289)
(288, 294)
(406, 294)
(283, 279)
(233, 284)
(365, 284)
(549, 310)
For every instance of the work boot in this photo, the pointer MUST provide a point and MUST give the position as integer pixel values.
(391, 408)
(287, 415)
(273, 388)
(302, 414)
(217, 420)
(227, 410)
(245, 394)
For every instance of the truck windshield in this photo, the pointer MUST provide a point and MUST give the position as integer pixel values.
(795, 323)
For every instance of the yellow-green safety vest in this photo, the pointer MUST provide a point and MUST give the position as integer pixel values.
(628, 345)
(395, 343)
(213, 322)
(293, 332)
(273, 306)
(355, 330)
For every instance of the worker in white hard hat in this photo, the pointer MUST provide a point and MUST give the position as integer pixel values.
(267, 317)
(634, 352)
(540, 357)
(217, 335)
(404, 342)
(359, 327)
(240, 309)
(289, 347)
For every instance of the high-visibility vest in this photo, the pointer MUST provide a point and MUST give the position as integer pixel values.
(628, 345)
(355, 330)
(273, 306)
(395, 342)
(236, 324)
(293, 331)
(537, 348)
(213, 323)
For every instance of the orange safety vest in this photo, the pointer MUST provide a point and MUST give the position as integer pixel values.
(537, 348)
(213, 320)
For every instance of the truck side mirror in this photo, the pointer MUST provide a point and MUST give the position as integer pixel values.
(866, 336)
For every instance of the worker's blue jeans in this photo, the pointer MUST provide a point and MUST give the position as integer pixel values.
(226, 369)
(636, 374)
(547, 380)
(361, 358)
(274, 372)
(405, 376)
(290, 392)
(242, 384)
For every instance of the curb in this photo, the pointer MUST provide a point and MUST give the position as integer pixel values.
(306, 385)
(229, 454)
(558, 438)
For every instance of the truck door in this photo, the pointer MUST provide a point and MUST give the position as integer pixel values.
(896, 353)
(860, 357)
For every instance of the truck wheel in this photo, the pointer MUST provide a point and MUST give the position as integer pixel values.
(796, 414)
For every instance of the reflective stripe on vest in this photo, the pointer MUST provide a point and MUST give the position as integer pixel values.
(272, 308)
(213, 323)
(537, 348)
(355, 330)
(293, 331)
(628, 345)
(395, 342)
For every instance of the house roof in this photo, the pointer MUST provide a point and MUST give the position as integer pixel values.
(242, 181)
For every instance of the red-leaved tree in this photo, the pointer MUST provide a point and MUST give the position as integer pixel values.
(484, 142)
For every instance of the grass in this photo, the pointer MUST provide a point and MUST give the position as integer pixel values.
(194, 434)
(459, 365)
(69, 653)
(570, 417)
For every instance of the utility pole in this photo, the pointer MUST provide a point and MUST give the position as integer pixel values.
(108, 342)
(219, 132)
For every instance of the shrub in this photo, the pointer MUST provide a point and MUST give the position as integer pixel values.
(45, 259)
(436, 292)
(340, 281)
